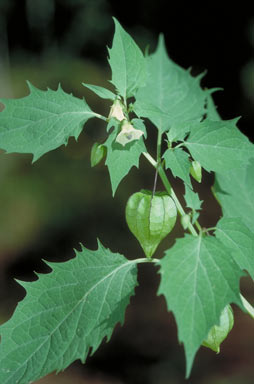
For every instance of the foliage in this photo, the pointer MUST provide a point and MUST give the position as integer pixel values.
(69, 311)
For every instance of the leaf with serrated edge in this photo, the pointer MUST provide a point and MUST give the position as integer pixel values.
(198, 279)
(171, 94)
(120, 159)
(41, 121)
(219, 145)
(178, 162)
(235, 235)
(65, 313)
(127, 63)
(235, 193)
(179, 130)
(192, 199)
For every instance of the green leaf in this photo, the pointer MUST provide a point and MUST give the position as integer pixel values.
(218, 145)
(127, 63)
(179, 130)
(178, 162)
(41, 121)
(235, 191)
(192, 199)
(150, 217)
(198, 279)
(171, 94)
(235, 235)
(65, 313)
(102, 92)
(218, 333)
(120, 159)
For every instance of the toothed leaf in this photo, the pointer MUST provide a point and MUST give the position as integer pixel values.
(65, 313)
(235, 192)
(237, 236)
(171, 94)
(127, 63)
(198, 279)
(41, 121)
(178, 162)
(120, 159)
(192, 199)
(219, 145)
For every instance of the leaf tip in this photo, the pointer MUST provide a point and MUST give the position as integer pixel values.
(116, 22)
(189, 363)
(161, 43)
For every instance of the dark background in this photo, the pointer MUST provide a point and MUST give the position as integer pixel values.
(48, 208)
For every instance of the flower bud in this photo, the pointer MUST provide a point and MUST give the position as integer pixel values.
(196, 171)
(116, 111)
(185, 221)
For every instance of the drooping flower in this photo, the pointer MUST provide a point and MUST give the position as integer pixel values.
(128, 133)
(116, 111)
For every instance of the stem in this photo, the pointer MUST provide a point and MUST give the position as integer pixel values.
(159, 147)
(169, 189)
(150, 159)
(100, 117)
(146, 260)
(158, 160)
(198, 226)
(249, 308)
(155, 181)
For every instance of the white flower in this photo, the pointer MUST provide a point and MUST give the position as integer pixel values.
(116, 111)
(128, 133)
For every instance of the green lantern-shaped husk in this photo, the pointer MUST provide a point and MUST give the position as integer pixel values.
(98, 152)
(150, 218)
(218, 333)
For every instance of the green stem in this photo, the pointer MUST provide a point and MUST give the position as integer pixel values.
(150, 159)
(159, 147)
(198, 226)
(146, 260)
(100, 117)
(249, 308)
(169, 189)
(158, 160)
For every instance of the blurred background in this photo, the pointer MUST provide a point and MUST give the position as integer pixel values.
(49, 208)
